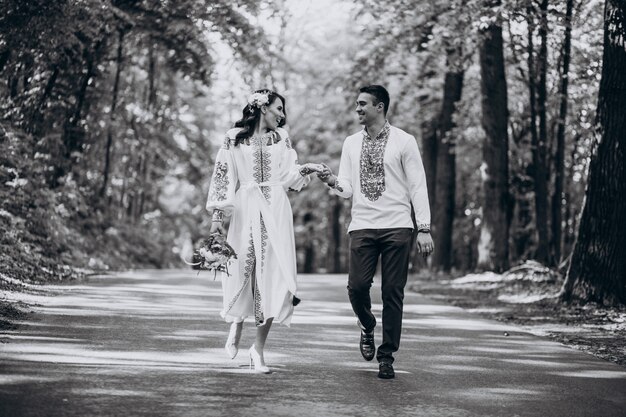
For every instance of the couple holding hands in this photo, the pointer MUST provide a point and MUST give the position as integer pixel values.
(381, 170)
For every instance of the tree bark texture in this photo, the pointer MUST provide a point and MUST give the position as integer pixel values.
(445, 189)
(309, 220)
(597, 271)
(559, 157)
(334, 247)
(540, 167)
(429, 157)
(494, 240)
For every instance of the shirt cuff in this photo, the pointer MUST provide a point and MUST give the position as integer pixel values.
(335, 186)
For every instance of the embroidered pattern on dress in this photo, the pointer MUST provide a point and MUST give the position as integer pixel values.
(259, 318)
(263, 242)
(262, 164)
(226, 144)
(219, 187)
(372, 164)
(247, 273)
(288, 143)
(258, 310)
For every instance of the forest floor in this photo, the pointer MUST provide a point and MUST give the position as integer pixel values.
(526, 296)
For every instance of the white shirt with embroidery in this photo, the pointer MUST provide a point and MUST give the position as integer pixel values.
(383, 176)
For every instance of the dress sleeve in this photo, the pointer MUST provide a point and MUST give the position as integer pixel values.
(416, 177)
(343, 186)
(223, 181)
(292, 178)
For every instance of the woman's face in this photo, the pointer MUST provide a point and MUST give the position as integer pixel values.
(274, 114)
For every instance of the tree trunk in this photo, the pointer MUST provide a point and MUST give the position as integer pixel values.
(4, 58)
(308, 220)
(540, 173)
(494, 238)
(571, 212)
(540, 159)
(334, 257)
(109, 144)
(81, 98)
(597, 271)
(146, 182)
(152, 64)
(558, 196)
(537, 107)
(73, 133)
(445, 190)
(37, 117)
(429, 156)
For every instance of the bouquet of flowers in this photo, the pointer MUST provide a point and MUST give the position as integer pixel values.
(214, 254)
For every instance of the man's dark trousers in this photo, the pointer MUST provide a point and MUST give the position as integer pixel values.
(394, 248)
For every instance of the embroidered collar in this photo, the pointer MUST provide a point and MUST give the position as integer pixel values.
(384, 132)
(265, 139)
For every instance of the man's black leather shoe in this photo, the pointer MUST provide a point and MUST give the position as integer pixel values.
(385, 370)
(368, 349)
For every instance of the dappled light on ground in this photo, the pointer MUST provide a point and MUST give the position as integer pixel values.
(153, 341)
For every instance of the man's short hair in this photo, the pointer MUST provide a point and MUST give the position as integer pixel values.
(380, 94)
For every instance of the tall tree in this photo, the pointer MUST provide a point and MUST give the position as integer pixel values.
(559, 157)
(538, 95)
(445, 188)
(112, 114)
(597, 271)
(494, 239)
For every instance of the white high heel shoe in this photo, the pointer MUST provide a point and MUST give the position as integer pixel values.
(231, 345)
(259, 367)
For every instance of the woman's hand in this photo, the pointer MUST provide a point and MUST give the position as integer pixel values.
(309, 168)
(217, 227)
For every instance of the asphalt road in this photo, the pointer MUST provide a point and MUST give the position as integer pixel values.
(150, 343)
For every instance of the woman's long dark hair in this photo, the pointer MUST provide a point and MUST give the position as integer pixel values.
(252, 115)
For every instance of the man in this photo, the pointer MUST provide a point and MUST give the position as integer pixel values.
(381, 169)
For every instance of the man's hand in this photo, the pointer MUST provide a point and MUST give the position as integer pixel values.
(326, 175)
(425, 244)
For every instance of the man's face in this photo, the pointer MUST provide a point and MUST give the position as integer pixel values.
(366, 110)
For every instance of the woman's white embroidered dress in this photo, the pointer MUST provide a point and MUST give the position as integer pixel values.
(250, 183)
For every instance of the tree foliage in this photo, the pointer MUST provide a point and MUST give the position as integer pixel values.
(112, 97)
(112, 110)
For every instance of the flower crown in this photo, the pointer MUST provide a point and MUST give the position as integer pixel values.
(258, 99)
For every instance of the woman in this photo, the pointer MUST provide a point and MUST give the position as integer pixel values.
(253, 170)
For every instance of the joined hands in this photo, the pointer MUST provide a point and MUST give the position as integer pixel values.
(310, 168)
(326, 175)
